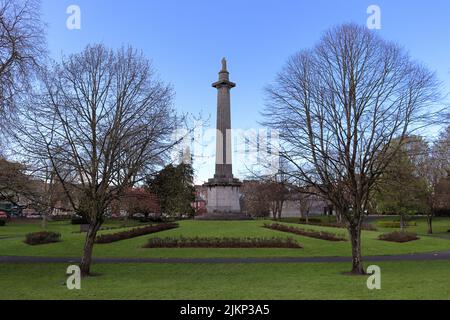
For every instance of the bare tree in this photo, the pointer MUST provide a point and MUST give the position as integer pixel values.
(103, 121)
(436, 169)
(22, 51)
(13, 181)
(139, 200)
(19, 185)
(277, 194)
(305, 203)
(338, 107)
(255, 198)
(48, 191)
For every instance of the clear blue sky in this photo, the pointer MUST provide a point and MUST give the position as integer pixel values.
(187, 39)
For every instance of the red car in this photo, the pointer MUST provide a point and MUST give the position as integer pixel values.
(3, 215)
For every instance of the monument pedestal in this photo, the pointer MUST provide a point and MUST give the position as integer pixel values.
(223, 200)
(223, 196)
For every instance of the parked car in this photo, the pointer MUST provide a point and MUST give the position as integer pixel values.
(3, 215)
(34, 216)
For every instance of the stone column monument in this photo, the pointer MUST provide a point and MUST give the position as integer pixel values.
(223, 189)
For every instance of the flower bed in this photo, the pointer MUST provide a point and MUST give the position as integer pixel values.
(42, 237)
(398, 236)
(215, 242)
(323, 235)
(135, 232)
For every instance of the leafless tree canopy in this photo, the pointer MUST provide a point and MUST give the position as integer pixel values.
(103, 121)
(22, 50)
(339, 106)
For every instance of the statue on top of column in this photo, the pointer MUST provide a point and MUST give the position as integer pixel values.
(224, 64)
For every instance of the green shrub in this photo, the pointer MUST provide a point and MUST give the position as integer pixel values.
(2, 223)
(398, 236)
(42, 237)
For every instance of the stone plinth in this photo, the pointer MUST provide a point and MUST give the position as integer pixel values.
(223, 198)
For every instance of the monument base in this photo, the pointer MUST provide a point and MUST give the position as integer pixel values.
(224, 216)
(223, 200)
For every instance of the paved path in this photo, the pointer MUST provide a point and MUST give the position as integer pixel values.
(406, 257)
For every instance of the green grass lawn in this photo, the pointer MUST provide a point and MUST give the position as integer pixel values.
(399, 280)
(440, 225)
(72, 242)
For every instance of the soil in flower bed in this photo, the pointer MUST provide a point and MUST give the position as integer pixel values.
(135, 232)
(307, 233)
(398, 236)
(213, 242)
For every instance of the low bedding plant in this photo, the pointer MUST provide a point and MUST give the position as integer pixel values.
(323, 235)
(135, 232)
(42, 237)
(216, 242)
(398, 236)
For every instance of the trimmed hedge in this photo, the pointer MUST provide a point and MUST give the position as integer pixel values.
(364, 226)
(151, 219)
(311, 220)
(398, 236)
(323, 235)
(395, 224)
(79, 220)
(135, 232)
(215, 242)
(2, 223)
(42, 237)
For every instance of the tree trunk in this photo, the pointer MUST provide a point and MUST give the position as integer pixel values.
(44, 222)
(274, 210)
(355, 237)
(402, 223)
(338, 216)
(430, 223)
(125, 220)
(85, 265)
(280, 209)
